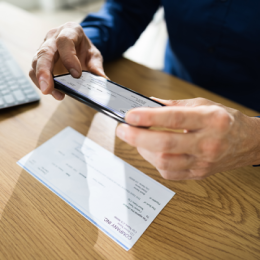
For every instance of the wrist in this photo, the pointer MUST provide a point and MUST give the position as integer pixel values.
(255, 140)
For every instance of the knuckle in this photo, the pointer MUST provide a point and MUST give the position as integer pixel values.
(202, 174)
(174, 102)
(34, 61)
(176, 119)
(70, 25)
(165, 174)
(198, 174)
(79, 29)
(210, 148)
(161, 162)
(164, 144)
(221, 118)
(68, 34)
(96, 54)
(203, 101)
(90, 54)
(51, 33)
(202, 164)
(93, 51)
(200, 100)
(62, 38)
(31, 73)
(73, 26)
(45, 50)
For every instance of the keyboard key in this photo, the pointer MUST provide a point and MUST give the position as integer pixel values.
(13, 87)
(1, 102)
(5, 91)
(5, 75)
(13, 68)
(8, 78)
(19, 95)
(11, 82)
(3, 68)
(32, 96)
(28, 90)
(9, 99)
(26, 86)
(22, 81)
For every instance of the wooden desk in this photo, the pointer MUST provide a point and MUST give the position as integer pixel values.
(217, 218)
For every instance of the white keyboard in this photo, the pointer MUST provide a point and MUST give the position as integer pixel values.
(15, 87)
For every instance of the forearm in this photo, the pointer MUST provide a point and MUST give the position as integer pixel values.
(118, 25)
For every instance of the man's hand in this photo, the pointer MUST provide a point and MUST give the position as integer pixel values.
(69, 43)
(214, 138)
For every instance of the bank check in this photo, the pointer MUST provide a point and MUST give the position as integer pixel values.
(116, 197)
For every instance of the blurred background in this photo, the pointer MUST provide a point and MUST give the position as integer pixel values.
(148, 50)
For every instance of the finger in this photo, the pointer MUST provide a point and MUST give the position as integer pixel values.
(66, 44)
(175, 174)
(168, 162)
(169, 117)
(154, 141)
(57, 94)
(46, 57)
(91, 58)
(33, 77)
(95, 63)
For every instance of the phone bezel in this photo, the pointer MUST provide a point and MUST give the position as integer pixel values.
(78, 96)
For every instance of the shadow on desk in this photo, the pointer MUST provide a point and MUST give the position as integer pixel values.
(210, 219)
(13, 111)
(44, 226)
(38, 221)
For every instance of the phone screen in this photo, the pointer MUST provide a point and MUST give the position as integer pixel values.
(106, 93)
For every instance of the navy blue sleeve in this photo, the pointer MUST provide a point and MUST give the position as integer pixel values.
(259, 164)
(118, 25)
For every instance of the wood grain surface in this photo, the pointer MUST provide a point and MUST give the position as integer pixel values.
(217, 218)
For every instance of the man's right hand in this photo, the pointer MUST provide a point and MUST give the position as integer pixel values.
(69, 43)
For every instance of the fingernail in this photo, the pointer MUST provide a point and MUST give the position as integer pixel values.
(74, 73)
(57, 94)
(43, 85)
(120, 132)
(132, 118)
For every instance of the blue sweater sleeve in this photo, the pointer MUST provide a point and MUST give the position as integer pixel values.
(118, 25)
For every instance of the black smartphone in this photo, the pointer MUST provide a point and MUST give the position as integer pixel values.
(103, 95)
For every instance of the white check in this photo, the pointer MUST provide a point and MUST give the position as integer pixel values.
(116, 197)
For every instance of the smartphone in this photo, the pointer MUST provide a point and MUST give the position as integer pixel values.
(103, 95)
